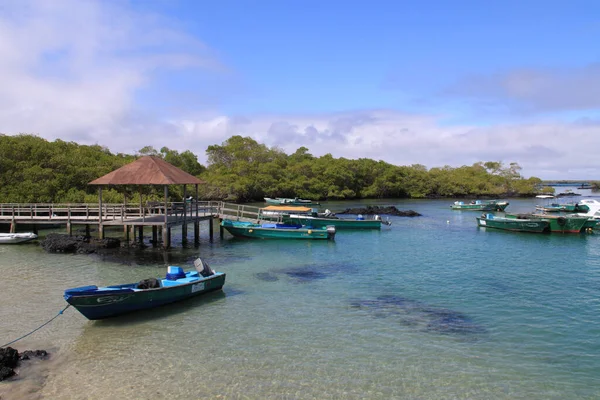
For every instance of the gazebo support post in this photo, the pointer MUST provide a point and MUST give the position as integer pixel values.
(100, 226)
(185, 210)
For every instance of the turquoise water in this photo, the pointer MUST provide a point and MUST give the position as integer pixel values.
(433, 308)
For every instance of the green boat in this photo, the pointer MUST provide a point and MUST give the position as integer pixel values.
(277, 231)
(480, 205)
(282, 201)
(311, 218)
(558, 223)
(513, 224)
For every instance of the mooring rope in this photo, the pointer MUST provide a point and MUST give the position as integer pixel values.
(39, 327)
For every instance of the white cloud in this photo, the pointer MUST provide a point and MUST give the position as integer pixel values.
(72, 70)
(547, 150)
(536, 90)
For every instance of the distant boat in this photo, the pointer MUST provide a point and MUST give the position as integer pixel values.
(311, 218)
(15, 238)
(102, 302)
(282, 201)
(513, 224)
(568, 193)
(480, 205)
(277, 231)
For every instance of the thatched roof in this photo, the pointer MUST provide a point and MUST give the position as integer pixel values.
(147, 170)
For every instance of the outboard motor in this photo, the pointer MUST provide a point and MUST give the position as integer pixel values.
(331, 232)
(203, 268)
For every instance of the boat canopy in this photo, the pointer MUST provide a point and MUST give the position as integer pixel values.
(287, 208)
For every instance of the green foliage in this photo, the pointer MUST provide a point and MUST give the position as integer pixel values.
(241, 169)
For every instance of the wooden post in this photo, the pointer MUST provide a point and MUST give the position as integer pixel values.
(87, 230)
(166, 199)
(100, 227)
(154, 235)
(196, 231)
(13, 226)
(69, 228)
(166, 236)
(126, 232)
(141, 233)
(184, 226)
(221, 231)
(211, 228)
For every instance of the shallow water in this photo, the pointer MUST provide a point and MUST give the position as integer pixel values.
(433, 308)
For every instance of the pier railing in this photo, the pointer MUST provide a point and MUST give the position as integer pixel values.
(40, 212)
(177, 212)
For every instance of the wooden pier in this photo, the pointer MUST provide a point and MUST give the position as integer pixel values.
(131, 217)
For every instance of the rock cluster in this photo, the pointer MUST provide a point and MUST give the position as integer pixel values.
(10, 359)
(58, 243)
(372, 210)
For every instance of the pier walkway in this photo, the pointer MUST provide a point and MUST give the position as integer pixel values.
(128, 216)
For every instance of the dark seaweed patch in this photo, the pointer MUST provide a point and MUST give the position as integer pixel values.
(420, 315)
(266, 276)
(305, 275)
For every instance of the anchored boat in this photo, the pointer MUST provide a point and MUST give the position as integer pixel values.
(312, 219)
(513, 224)
(15, 238)
(277, 231)
(96, 302)
(480, 205)
(282, 201)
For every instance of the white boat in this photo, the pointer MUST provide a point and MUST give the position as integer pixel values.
(594, 208)
(14, 238)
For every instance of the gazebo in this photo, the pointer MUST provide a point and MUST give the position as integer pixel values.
(151, 170)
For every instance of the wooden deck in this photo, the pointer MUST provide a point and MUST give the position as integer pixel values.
(152, 214)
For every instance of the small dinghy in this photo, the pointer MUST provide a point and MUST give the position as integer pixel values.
(102, 302)
(14, 238)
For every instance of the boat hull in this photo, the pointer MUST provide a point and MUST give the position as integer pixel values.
(514, 225)
(255, 231)
(16, 238)
(559, 224)
(116, 302)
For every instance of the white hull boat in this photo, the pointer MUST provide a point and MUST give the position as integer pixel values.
(14, 238)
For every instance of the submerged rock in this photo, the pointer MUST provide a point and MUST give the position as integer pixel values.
(305, 275)
(58, 243)
(10, 359)
(421, 316)
(377, 210)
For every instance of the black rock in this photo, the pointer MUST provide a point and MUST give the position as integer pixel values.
(377, 210)
(9, 357)
(57, 243)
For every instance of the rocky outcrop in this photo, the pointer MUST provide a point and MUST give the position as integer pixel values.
(10, 359)
(57, 243)
(377, 210)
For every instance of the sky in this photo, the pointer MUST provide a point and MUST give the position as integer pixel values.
(437, 83)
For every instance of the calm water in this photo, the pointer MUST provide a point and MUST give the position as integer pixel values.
(433, 308)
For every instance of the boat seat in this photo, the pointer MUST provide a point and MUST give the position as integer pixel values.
(167, 282)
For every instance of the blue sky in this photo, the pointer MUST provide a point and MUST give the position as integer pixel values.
(429, 82)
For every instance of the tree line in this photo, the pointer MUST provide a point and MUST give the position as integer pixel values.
(240, 169)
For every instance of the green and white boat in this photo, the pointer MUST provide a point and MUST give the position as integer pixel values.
(277, 231)
(513, 224)
(282, 201)
(480, 205)
(557, 223)
(310, 218)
